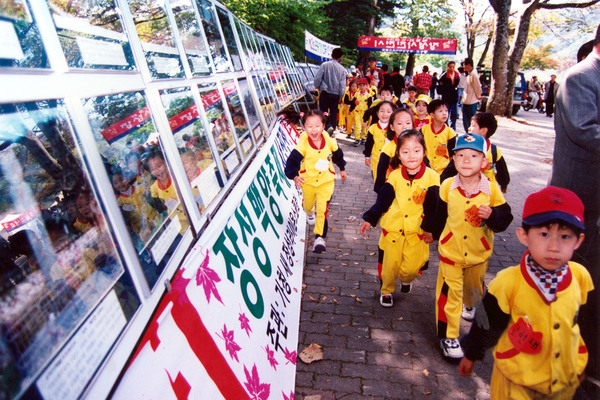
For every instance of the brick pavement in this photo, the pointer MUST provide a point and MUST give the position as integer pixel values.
(393, 353)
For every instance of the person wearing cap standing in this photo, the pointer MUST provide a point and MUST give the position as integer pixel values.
(530, 310)
(470, 210)
(330, 80)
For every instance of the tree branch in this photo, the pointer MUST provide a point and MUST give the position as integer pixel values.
(568, 5)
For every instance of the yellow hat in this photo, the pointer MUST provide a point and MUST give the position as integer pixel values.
(423, 97)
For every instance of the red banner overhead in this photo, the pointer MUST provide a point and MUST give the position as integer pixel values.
(408, 45)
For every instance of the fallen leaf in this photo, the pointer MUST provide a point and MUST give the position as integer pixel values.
(425, 372)
(324, 298)
(346, 254)
(312, 298)
(352, 295)
(405, 354)
(344, 264)
(400, 319)
(359, 300)
(372, 253)
(313, 352)
(424, 394)
(332, 289)
(335, 301)
(303, 240)
(356, 263)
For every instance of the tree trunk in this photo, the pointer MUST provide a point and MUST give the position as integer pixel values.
(499, 98)
(410, 64)
(488, 43)
(518, 48)
(363, 55)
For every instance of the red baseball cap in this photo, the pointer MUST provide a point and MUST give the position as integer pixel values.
(364, 81)
(553, 203)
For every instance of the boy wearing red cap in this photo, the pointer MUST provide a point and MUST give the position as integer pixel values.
(529, 312)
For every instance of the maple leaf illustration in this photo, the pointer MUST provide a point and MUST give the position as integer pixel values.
(290, 397)
(207, 278)
(271, 357)
(290, 356)
(230, 344)
(258, 391)
(245, 323)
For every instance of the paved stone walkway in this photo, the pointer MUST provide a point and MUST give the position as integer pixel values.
(393, 353)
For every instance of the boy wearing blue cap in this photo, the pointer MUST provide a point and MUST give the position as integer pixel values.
(529, 312)
(470, 210)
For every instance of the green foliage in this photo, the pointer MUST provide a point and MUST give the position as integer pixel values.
(425, 18)
(285, 21)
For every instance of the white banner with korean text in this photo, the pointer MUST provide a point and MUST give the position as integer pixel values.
(228, 328)
(316, 48)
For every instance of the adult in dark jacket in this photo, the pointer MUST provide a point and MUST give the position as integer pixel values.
(576, 166)
(396, 80)
(448, 89)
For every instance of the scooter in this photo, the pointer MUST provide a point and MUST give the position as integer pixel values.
(527, 104)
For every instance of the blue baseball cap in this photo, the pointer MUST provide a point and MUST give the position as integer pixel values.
(470, 141)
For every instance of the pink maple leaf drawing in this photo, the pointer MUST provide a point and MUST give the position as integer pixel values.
(271, 358)
(290, 356)
(245, 323)
(230, 344)
(257, 390)
(290, 397)
(207, 278)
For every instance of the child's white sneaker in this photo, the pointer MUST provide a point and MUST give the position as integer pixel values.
(319, 245)
(311, 218)
(386, 300)
(468, 313)
(451, 348)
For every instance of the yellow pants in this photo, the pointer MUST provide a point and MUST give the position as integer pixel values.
(502, 388)
(343, 114)
(400, 260)
(456, 285)
(350, 121)
(319, 195)
(359, 132)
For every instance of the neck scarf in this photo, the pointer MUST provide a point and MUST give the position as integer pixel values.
(546, 281)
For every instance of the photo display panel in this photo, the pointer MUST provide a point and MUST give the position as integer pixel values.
(20, 41)
(91, 34)
(154, 31)
(193, 145)
(58, 258)
(141, 177)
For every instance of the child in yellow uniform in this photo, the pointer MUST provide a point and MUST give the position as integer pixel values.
(139, 215)
(310, 165)
(400, 120)
(411, 100)
(422, 118)
(349, 102)
(370, 116)
(439, 137)
(163, 190)
(86, 218)
(377, 136)
(406, 205)
(485, 124)
(530, 310)
(362, 100)
(471, 210)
